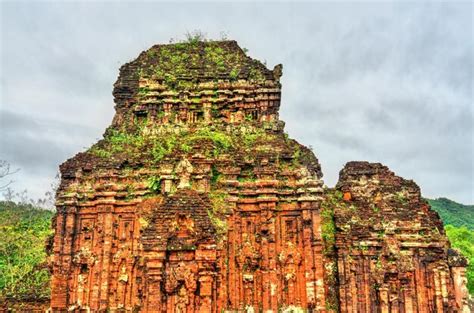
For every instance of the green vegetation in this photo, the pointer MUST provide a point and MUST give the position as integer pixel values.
(24, 230)
(154, 184)
(195, 36)
(459, 225)
(218, 211)
(234, 73)
(256, 75)
(211, 140)
(249, 138)
(215, 176)
(375, 208)
(328, 234)
(170, 63)
(401, 197)
(179, 65)
(462, 238)
(222, 141)
(453, 213)
(328, 227)
(134, 144)
(119, 141)
(162, 146)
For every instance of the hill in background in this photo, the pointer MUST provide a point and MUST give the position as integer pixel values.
(458, 222)
(453, 213)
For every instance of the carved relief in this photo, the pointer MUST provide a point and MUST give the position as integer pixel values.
(184, 170)
(180, 275)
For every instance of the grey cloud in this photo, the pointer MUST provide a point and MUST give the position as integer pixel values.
(38, 145)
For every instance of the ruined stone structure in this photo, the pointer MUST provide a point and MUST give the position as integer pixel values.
(392, 252)
(196, 200)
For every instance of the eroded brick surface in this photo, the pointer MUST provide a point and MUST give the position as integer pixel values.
(197, 201)
(392, 251)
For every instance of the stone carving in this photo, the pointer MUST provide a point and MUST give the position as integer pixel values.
(184, 170)
(179, 276)
(195, 200)
(290, 258)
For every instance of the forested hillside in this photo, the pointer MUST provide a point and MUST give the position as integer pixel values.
(453, 213)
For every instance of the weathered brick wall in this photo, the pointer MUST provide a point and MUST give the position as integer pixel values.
(197, 201)
(393, 254)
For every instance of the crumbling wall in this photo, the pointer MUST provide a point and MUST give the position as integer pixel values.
(392, 252)
(196, 200)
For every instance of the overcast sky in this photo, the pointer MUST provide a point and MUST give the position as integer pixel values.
(376, 81)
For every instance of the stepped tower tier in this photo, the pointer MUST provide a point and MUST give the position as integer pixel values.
(197, 82)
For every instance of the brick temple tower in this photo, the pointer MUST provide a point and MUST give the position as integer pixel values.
(196, 200)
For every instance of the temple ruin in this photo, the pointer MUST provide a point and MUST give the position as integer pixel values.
(196, 200)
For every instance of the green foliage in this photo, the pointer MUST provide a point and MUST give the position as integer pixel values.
(163, 146)
(154, 184)
(186, 59)
(328, 227)
(195, 37)
(454, 213)
(221, 141)
(256, 75)
(101, 153)
(117, 142)
(459, 225)
(296, 156)
(375, 208)
(122, 140)
(249, 138)
(462, 239)
(142, 91)
(234, 73)
(218, 210)
(215, 175)
(401, 197)
(23, 233)
(217, 56)
(135, 144)
(219, 205)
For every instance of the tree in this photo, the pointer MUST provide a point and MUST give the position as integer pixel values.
(5, 170)
(462, 238)
(23, 269)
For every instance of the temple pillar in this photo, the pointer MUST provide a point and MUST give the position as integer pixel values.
(383, 294)
(207, 111)
(59, 279)
(107, 235)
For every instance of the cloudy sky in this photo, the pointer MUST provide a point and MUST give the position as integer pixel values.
(379, 81)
